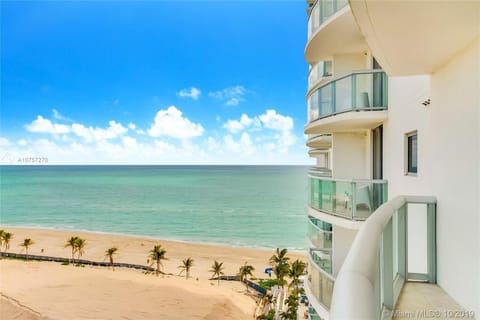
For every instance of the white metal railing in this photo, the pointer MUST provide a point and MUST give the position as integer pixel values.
(376, 266)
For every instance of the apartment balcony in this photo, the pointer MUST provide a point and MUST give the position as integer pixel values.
(320, 72)
(349, 199)
(319, 141)
(328, 19)
(357, 101)
(320, 172)
(319, 233)
(319, 289)
(322, 259)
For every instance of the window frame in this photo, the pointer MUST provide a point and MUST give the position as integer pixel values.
(408, 165)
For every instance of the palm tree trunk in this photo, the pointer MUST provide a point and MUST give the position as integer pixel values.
(218, 280)
(111, 263)
(158, 267)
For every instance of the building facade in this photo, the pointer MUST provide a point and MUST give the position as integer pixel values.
(393, 104)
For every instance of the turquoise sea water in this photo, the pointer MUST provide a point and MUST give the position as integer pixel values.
(254, 206)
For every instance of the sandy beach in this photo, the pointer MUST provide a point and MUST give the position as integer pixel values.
(47, 290)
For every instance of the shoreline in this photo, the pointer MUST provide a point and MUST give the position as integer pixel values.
(137, 236)
(90, 291)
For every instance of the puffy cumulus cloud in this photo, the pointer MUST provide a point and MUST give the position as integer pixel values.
(245, 121)
(129, 142)
(89, 134)
(268, 120)
(42, 125)
(22, 142)
(4, 142)
(132, 126)
(272, 120)
(192, 92)
(273, 132)
(243, 145)
(233, 96)
(171, 123)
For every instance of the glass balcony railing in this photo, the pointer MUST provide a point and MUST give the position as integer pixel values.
(351, 199)
(318, 72)
(320, 171)
(312, 314)
(321, 11)
(320, 233)
(363, 90)
(320, 285)
(322, 258)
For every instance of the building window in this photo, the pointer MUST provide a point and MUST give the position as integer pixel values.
(411, 153)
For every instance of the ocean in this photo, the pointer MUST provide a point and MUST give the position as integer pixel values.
(247, 206)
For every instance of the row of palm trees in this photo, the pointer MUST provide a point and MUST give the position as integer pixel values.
(77, 245)
(282, 268)
(5, 238)
(279, 260)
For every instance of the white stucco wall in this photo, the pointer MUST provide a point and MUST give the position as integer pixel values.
(346, 63)
(342, 241)
(350, 158)
(448, 163)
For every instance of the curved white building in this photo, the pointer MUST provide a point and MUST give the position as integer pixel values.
(393, 104)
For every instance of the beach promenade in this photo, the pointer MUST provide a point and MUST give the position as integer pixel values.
(50, 290)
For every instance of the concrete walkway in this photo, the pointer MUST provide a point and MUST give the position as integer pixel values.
(427, 301)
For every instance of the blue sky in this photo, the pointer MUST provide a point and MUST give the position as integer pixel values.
(154, 82)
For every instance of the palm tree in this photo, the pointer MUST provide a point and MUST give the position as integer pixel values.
(80, 247)
(280, 257)
(6, 237)
(280, 264)
(2, 232)
(244, 272)
(157, 254)
(27, 243)
(292, 303)
(280, 271)
(72, 243)
(109, 253)
(297, 268)
(187, 264)
(217, 270)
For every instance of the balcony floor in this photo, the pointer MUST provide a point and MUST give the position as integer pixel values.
(425, 301)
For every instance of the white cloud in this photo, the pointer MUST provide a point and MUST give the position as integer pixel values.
(233, 102)
(245, 121)
(58, 116)
(244, 145)
(272, 120)
(90, 134)
(171, 123)
(129, 142)
(262, 125)
(43, 125)
(4, 142)
(212, 144)
(192, 92)
(267, 137)
(233, 95)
